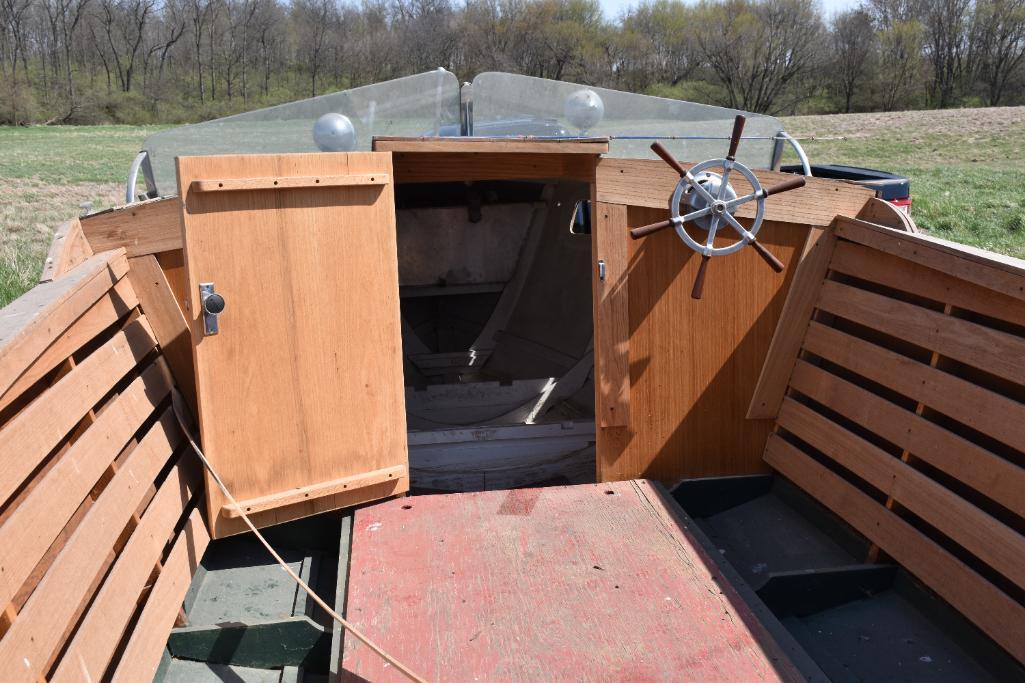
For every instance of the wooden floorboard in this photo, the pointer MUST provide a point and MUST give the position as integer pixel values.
(591, 582)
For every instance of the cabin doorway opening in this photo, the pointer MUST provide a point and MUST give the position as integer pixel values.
(497, 333)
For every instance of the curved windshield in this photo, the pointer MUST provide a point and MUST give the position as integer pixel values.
(510, 104)
(424, 104)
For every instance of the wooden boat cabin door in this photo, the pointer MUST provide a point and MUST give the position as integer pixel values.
(294, 308)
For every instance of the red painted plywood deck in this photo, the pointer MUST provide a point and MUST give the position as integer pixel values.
(593, 582)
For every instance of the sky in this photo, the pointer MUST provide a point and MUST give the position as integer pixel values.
(612, 8)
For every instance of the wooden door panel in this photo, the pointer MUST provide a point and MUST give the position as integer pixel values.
(300, 394)
(691, 365)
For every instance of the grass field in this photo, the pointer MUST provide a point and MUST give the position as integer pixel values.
(967, 169)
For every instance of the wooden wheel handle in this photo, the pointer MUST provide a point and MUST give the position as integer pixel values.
(738, 130)
(644, 231)
(773, 262)
(659, 149)
(699, 281)
(792, 184)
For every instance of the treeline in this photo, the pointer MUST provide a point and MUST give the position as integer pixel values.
(139, 61)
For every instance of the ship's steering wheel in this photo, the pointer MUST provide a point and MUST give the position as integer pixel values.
(711, 202)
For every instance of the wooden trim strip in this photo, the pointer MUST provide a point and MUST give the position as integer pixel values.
(141, 228)
(29, 324)
(104, 313)
(989, 474)
(492, 145)
(981, 347)
(33, 525)
(96, 640)
(980, 601)
(68, 248)
(792, 324)
(979, 408)
(169, 324)
(987, 538)
(149, 636)
(309, 493)
(851, 258)
(34, 432)
(1004, 274)
(40, 627)
(612, 316)
(289, 182)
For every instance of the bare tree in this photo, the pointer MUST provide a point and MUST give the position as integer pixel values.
(946, 43)
(854, 43)
(999, 40)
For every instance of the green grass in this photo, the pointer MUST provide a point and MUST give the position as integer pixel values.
(46, 173)
(967, 170)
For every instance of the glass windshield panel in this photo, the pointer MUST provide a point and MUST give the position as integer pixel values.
(425, 104)
(509, 104)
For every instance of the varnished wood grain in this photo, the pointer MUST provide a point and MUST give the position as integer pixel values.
(611, 315)
(882, 212)
(436, 167)
(694, 364)
(303, 385)
(289, 182)
(975, 597)
(793, 321)
(650, 183)
(68, 248)
(141, 228)
(493, 145)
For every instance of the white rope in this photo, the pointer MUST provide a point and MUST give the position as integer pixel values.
(178, 406)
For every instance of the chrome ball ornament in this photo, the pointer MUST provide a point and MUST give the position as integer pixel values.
(334, 132)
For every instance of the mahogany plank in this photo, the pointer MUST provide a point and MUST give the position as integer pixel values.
(96, 640)
(141, 228)
(988, 607)
(611, 315)
(436, 167)
(33, 525)
(989, 474)
(993, 351)
(519, 585)
(38, 630)
(993, 542)
(141, 657)
(30, 323)
(68, 248)
(27, 439)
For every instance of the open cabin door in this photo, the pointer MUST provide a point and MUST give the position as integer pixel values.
(674, 375)
(300, 394)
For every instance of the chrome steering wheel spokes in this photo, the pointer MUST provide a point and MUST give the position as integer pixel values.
(712, 206)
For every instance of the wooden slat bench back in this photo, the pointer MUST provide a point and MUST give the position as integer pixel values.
(904, 413)
(100, 500)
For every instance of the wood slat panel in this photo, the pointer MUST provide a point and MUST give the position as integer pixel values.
(979, 408)
(169, 324)
(980, 601)
(882, 212)
(30, 323)
(141, 228)
(34, 432)
(99, 634)
(993, 351)
(33, 525)
(104, 313)
(650, 183)
(142, 656)
(981, 534)
(987, 473)
(37, 632)
(997, 272)
(792, 324)
(892, 271)
(611, 316)
(68, 248)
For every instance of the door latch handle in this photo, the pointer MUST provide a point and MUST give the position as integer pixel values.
(601, 270)
(213, 305)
